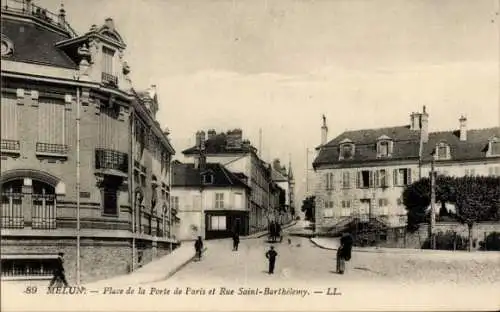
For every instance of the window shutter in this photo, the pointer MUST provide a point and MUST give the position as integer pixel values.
(326, 181)
(395, 176)
(387, 177)
(390, 147)
(409, 175)
(377, 178)
(358, 179)
(378, 149)
(370, 179)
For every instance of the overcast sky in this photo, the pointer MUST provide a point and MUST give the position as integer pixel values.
(279, 65)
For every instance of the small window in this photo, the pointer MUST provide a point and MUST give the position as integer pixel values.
(443, 151)
(494, 147)
(347, 151)
(208, 179)
(175, 203)
(28, 266)
(217, 223)
(329, 181)
(219, 200)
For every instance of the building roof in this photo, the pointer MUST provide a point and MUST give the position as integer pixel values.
(218, 145)
(278, 176)
(34, 43)
(474, 147)
(406, 145)
(185, 174)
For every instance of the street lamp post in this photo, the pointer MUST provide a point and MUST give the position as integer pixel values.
(432, 222)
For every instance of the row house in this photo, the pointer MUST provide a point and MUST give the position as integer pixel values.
(240, 157)
(71, 162)
(285, 181)
(209, 198)
(361, 174)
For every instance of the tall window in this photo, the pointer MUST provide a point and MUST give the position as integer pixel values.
(107, 60)
(402, 176)
(110, 136)
(51, 126)
(329, 181)
(381, 178)
(238, 201)
(219, 200)
(109, 192)
(346, 180)
(365, 179)
(9, 120)
(12, 199)
(217, 223)
(44, 206)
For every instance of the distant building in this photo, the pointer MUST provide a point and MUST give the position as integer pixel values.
(361, 174)
(50, 75)
(211, 201)
(282, 178)
(240, 157)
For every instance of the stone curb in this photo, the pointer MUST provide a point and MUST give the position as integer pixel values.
(406, 251)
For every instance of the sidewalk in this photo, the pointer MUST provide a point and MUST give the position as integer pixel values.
(333, 244)
(156, 270)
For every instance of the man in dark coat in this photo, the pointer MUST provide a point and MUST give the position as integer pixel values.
(271, 254)
(198, 246)
(236, 241)
(59, 271)
(344, 252)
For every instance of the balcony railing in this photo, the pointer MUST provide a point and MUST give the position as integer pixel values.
(9, 145)
(29, 9)
(109, 79)
(59, 149)
(110, 159)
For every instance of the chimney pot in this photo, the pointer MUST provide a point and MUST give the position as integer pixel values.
(463, 128)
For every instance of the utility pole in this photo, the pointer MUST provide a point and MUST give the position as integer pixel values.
(78, 264)
(432, 222)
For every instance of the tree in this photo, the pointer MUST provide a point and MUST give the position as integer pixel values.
(475, 199)
(308, 207)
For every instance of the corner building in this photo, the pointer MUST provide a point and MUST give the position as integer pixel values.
(75, 136)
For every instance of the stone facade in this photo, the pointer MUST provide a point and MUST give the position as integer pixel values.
(76, 135)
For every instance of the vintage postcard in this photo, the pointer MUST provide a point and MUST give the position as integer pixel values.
(250, 155)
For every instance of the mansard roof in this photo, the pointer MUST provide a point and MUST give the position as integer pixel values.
(186, 175)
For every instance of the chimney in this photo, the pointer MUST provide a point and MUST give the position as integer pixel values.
(463, 128)
(61, 18)
(238, 137)
(277, 164)
(324, 131)
(211, 134)
(203, 139)
(109, 23)
(198, 139)
(424, 125)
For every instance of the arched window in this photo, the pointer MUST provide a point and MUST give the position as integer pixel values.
(12, 208)
(43, 206)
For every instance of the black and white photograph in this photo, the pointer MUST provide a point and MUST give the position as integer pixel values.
(250, 155)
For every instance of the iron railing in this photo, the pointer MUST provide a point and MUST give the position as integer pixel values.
(27, 267)
(110, 159)
(10, 145)
(28, 8)
(52, 148)
(44, 211)
(12, 211)
(109, 79)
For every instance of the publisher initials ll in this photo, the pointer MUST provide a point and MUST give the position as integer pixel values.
(333, 292)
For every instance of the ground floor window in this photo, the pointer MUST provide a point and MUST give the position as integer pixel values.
(217, 223)
(30, 267)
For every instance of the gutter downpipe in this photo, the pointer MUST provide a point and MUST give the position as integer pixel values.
(131, 184)
(78, 264)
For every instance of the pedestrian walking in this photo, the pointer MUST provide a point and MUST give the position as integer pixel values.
(236, 241)
(271, 255)
(344, 252)
(59, 275)
(198, 247)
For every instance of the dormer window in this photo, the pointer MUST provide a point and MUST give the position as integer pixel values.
(442, 151)
(208, 178)
(384, 146)
(346, 149)
(494, 147)
(108, 75)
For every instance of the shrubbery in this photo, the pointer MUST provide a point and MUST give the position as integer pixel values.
(492, 242)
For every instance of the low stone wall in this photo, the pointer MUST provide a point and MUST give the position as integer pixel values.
(401, 239)
(100, 258)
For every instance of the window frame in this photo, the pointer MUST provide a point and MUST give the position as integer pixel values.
(218, 218)
(219, 200)
(342, 148)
